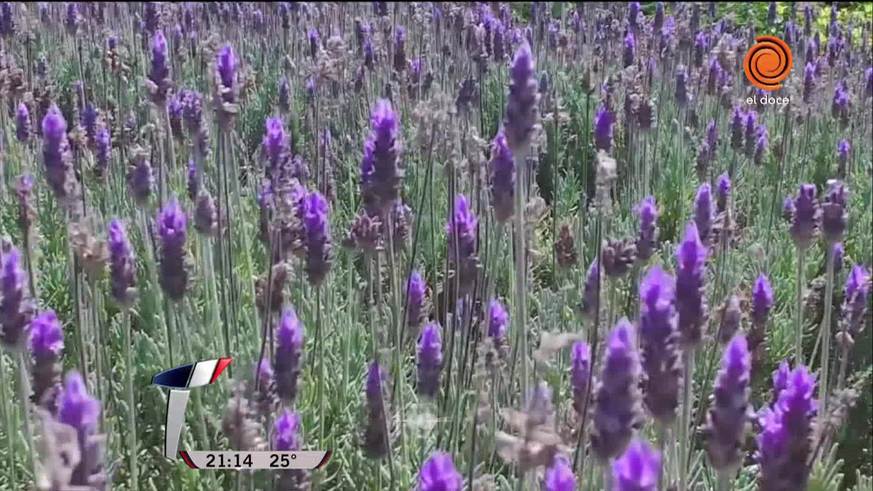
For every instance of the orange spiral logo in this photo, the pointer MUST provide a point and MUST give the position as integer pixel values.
(768, 63)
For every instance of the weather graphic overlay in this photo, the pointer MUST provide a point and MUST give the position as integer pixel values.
(180, 380)
(768, 62)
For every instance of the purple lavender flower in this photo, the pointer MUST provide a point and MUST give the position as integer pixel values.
(140, 178)
(839, 254)
(785, 438)
(289, 350)
(788, 209)
(172, 233)
(416, 289)
(376, 438)
(714, 77)
(840, 103)
(400, 49)
(286, 431)
(843, 149)
(617, 399)
(521, 104)
(102, 150)
(761, 143)
(275, 145)
(647, 237)
(690, 261)
(580, 372)
(46, 345)
(751, 132)
(731, 318)
(738, 120)
(723, 192)
(316, 229)
(559, 475)
(809, 79)
(855, 300)
(82, 412)
(26, 209)
(682, 95)
(629, 49)
(57, 157)
(205, 214)
(381, 168)
(762, 300)
(14, 308)
(314, 39)
(430, 360)
(700, 44)
(72, 18)
(226, 67)
(438, 473)
(703, 212)
(174, 112)
(461, 232)
(122, 264)
(604, 120)
(22, 123)
(727, 418)
(502, 179)
(498, 321)
(591, 293)
(638, 469)
(284, 95)
(833, 211)
(806, 218)
(159, 73)
(659, 340)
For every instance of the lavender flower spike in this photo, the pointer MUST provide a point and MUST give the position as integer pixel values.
(159, 73)
(806, 218)
(438, 473)
(659, 340)
(381, 167)
(46, 345)
(580, 371)
(172, 231)
(617, 399)
(461, 231)
(591, 293)
(728, 418)
(289, 350)
(82, 412)
(521, 103)
(430, 360)
(22, 123)
(603, 122)
(57, 158)
(416, 289)
(14, 308)
(855, 301)
(639, 469)
(723, 192)
(647, 238)
(498, 321)
(690, 260)
(559, 476)
(703, 212)
(785, 438)
(762, 300)
(376, 438)
(122, 265)
(316, 225)
(502, 179)
(833, 211)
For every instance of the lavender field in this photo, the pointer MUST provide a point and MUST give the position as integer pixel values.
(479, 246)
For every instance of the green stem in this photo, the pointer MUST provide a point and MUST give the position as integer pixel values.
(684, 451)
(826, 334)
(129, 370)
(24, 395)
(798, 313)
(9, 429)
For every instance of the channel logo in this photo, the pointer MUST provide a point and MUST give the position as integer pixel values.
(768, 62)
